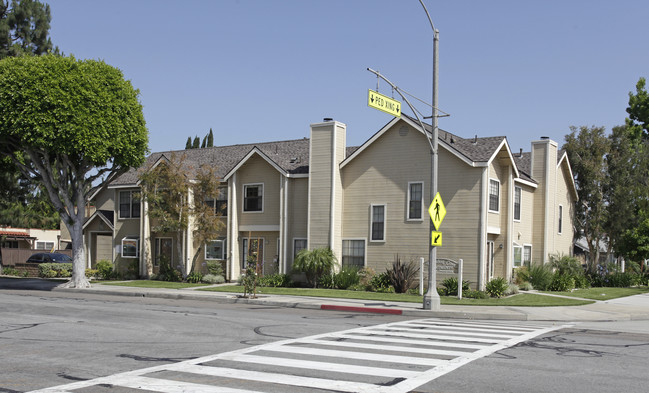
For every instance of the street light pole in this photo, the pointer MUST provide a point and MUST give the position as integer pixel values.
(431, 298)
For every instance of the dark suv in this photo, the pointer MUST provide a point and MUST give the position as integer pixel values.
(46, 257)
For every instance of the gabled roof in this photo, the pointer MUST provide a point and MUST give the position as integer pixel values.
(475, 152)
(107, 216)
(291, 156)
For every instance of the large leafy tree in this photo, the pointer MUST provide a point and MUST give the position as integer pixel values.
(587, 148)
(69, 124)
(178, 196)
(24, 27)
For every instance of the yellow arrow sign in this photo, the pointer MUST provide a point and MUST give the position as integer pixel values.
(384, 103)
(436, 239)
(437, 211)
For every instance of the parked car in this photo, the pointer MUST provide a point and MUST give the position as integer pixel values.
(46, 257)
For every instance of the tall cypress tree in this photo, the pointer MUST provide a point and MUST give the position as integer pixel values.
(210, 139)
(197, 143)
(188, 145)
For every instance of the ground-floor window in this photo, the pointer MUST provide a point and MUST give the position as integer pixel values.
(354, 253)
(298, 245)
(252, 248)
(130, 247)
(527, 255)
(215, 249)
(518, 256)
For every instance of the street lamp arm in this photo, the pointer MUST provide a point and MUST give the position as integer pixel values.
(412, 108)
(428, 15)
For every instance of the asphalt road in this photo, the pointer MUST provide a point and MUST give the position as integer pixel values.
(56, 338)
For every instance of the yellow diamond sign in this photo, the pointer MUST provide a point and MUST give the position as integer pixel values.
(437, 211)
(384, 103)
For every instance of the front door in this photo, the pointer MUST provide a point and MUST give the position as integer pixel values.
(253, 247)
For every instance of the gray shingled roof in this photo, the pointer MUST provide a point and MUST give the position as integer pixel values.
(292, 156)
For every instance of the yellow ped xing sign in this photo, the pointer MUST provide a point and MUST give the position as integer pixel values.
(384, 103)
(437, 211)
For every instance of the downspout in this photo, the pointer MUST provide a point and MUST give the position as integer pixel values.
(285, 237)
(510, 224)
(282, 219)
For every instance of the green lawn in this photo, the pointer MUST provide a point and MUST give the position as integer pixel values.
(603, 293)
(520, 300)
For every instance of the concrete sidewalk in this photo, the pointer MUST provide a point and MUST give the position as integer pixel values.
(621, 309)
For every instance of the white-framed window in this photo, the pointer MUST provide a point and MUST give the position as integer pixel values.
(353, 253)
(377, 223)
(163, 249)
(130, 247)
(415, 201)
(299, 244)
(560, 219)
(252, 247)
(215, 249)
(129, 204)
(518, 255)
(494, 196)
(44, 245)
(527, 254)
(253, 197)
(517, 203)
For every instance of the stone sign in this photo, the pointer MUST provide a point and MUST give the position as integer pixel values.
(446, 266)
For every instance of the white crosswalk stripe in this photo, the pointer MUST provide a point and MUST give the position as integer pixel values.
(396, 357)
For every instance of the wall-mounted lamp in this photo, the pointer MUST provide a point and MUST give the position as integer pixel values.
(500, 246)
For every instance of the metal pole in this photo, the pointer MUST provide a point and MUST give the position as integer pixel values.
(431, 298)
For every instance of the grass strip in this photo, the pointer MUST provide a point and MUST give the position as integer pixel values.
(603, 293)
(520, 300)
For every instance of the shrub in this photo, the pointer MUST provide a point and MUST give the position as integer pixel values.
(620, 280)
(402, 275)
(366, 275)
(326, 281)
(497, 287)
(581, 281)
(214, 267)
(561, 283)
(522, 275)
(540, 276)
(194, 277)
(450, 286)
(92, 273)
(10, 271)
(51, 270)
(275, 280)
(512, 289)
(566, 265)
(381, 282)
(213, 279)
(475, 294)
(104, 270)
(346, 278)
(525, 286)
(315, 264)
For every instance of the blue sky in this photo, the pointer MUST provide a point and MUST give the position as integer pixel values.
(257, 71)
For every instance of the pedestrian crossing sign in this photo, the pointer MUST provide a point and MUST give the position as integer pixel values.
(437, 211)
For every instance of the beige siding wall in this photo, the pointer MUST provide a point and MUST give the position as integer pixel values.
(523, 229)
(105, 200)
(563, 241)
(320, 176)
(258, 171)
(380, 175)
(500, 170)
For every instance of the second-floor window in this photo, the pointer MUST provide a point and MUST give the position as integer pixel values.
(377, 224)
(517, 203)
(415, 201)
(494, 195)
(220, 204)
(129, 204)
(560, 219)
(253, 197)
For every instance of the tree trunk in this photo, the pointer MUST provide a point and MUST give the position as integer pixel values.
(79, 279)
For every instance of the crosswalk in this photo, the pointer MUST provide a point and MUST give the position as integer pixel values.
(395, 357)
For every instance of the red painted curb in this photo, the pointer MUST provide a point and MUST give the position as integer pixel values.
(361, 309)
